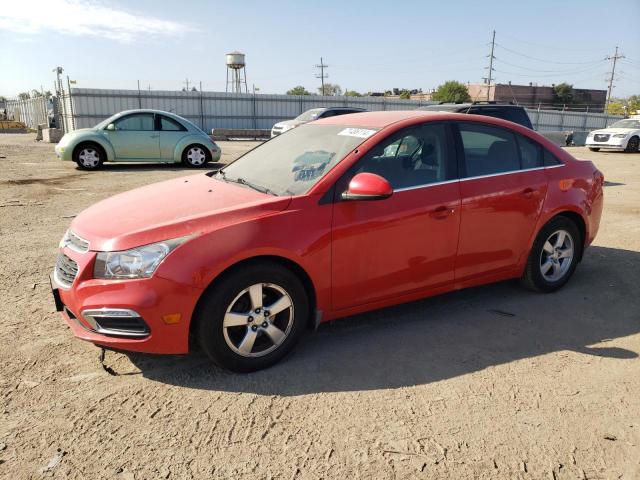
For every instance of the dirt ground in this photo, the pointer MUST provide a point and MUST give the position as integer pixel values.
(492, 382)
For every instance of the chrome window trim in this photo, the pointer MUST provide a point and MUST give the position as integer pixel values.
(445, 182)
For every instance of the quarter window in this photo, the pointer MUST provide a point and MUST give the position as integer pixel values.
(488, 150)
(530, 153)
(550, 159)
(137, 122)
(414, 157)
(170, 125)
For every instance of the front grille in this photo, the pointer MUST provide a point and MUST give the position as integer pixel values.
(74, 242)
(66, 270)
(601, 137)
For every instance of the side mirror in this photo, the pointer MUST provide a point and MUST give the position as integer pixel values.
(111, 127)
(368, 186)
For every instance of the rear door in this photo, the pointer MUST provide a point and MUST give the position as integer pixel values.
(135, 137)
(502, 189)
(408, 242)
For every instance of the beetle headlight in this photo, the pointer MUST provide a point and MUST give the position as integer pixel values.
(139, 262)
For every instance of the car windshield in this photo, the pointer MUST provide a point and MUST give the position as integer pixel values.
(628, 123)
(291, 164)
(310, 115)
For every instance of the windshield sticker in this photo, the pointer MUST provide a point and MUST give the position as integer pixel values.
(357, 132)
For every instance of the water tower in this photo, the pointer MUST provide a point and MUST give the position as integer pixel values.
(236, 70)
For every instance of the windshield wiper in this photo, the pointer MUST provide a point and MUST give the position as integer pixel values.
(242, 181)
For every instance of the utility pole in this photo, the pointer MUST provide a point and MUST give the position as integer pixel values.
(613, 72)
(322, 75)
(491, 58)
(187, 82)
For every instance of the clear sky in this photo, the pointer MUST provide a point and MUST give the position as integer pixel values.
(368, 45)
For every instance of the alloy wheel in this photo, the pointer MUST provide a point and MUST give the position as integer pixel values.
(258, 320)
(556, 256)
(196, 156)
(89, 157)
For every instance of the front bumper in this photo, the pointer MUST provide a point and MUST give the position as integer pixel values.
(611, 144)
(164, 309)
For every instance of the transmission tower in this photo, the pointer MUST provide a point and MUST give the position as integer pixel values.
(490, 67)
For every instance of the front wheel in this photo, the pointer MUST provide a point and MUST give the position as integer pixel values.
(554, 256)
(632, 145)
(195, 156)
(253, 317)
(594, 149)
(88, 156)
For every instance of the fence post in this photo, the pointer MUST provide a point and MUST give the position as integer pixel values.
(255, 118)
(562, 117)
(73, 120)
(584, 119)
(537, 127)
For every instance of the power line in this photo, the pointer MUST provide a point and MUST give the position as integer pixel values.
(542, 59)
(613, 72)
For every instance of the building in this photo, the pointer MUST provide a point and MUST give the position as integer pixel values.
(538, 96)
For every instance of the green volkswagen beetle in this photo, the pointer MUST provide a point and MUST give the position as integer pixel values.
(139, 136)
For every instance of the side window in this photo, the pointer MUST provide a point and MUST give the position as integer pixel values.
(488, 150)
(549, 159)
(410, 158)
(327, 114)
(530, 153)
(136, 122)
(170, 125)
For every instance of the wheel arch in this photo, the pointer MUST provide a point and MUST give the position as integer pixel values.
(104, 146)
(300, 272)
(572, 215)
(186, 142)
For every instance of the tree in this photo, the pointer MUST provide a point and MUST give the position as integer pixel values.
(451, 91)
(24, 96)
(352, 93)
(299, 90)
(563, 93)
(405, 95)
(633, 104)
(330, 89)
(615, 108)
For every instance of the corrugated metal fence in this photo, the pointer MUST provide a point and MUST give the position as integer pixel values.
(86, 107)
(217, 109)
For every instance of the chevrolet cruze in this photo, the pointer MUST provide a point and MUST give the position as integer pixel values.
(340, 216)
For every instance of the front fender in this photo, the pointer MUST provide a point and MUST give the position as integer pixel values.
(190, 139)
(91, 136)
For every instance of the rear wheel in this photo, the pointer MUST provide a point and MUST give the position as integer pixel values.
(632, 145)
(88, 156)
(253, 317)
(195, 156)
(594, 149)
(554, 255)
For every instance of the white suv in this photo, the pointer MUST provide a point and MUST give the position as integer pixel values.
(310, 116)
(622, 135)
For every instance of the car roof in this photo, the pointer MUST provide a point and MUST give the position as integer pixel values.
(460, 106)
(346, 108)
(147, 110)
(377, 119)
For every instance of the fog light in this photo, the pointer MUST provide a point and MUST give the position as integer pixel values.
(172, 318)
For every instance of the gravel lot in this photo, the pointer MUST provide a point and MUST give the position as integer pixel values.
(492, 382)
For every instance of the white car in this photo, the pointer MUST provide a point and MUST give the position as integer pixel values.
(622, 135)
(310, 116)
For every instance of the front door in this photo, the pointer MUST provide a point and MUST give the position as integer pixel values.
(502, 188)
(135, 137)
(405, 243)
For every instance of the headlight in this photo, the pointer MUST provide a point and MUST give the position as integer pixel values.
(590, 135)
(138, 262)
(620, 135)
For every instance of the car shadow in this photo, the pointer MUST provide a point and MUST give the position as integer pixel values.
(168, 167)
(440, 337)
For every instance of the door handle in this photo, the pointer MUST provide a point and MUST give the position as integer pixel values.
(442, 212)
(528, 193)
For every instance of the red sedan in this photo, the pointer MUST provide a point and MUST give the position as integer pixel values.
(336, 217)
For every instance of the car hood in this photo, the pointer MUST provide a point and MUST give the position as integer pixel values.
(171, 209)
(614, 131)
(289, 123)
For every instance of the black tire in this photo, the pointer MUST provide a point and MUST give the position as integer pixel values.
(594, 149)
(533, 277)
(632, 145)
(89, 156)
(217, 340)
(191, 161)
